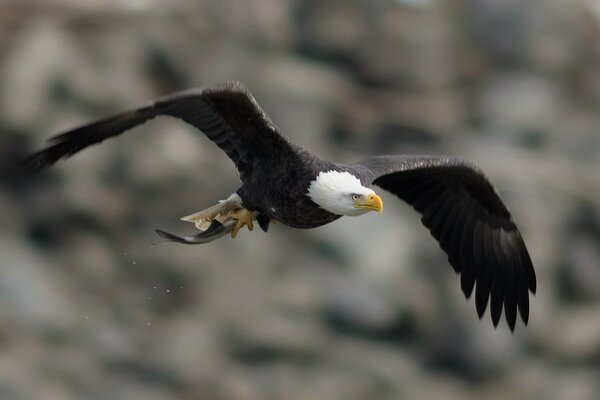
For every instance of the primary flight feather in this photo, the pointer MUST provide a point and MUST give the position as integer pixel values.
(283, 182)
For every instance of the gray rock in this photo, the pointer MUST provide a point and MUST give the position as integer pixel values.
(362, 308)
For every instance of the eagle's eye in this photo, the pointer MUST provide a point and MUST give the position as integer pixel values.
(354, 196)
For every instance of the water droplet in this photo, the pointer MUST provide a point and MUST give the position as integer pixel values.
(168, 290)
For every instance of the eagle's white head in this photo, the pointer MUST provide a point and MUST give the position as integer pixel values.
(342, 193)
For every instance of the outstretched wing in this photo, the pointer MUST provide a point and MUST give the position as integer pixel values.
(463, 212)
(227, 114)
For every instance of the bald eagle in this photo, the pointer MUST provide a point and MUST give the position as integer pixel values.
(281, 182)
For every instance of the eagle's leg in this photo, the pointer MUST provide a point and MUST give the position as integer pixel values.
(243, 217)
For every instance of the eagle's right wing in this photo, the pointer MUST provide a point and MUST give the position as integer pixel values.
(227, 114)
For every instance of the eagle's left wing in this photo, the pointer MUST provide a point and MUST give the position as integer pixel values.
(227, 114)
(464, 214)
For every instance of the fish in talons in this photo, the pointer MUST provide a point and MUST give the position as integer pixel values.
(215, 231)
(226, 217)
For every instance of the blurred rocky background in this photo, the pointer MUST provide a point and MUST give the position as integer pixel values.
(364, 308)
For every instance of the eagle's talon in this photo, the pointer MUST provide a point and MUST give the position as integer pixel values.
(243, 217)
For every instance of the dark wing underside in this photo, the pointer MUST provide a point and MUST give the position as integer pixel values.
(464, 214)
(227, 114)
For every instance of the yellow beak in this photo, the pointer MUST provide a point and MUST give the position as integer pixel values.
(373, 203)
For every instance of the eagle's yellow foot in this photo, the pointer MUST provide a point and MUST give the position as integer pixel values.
(243, 217)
